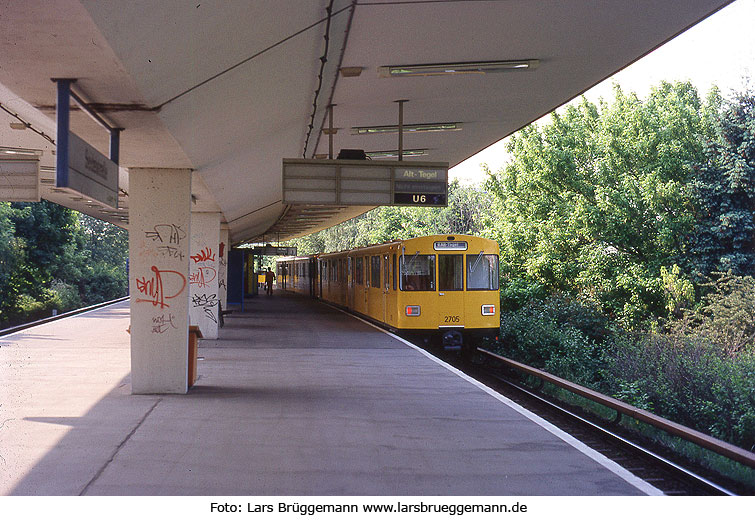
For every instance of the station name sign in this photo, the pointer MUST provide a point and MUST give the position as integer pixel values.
(364, 182)
(90, 173)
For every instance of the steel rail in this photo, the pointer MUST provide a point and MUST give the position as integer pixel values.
(703, 440)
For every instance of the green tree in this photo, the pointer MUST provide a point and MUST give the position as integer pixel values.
(597, 201)
(52, 244)
(11, 255)
(724, 238)
(54, 258)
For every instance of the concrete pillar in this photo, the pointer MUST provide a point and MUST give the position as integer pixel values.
(159, 233)
(224, 247)
(203, 272)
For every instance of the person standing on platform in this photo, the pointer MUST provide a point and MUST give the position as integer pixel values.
(269, 279)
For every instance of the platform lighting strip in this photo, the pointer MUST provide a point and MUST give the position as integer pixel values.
(416, 128)
(21, 154)
(376, 155)
(499, 66)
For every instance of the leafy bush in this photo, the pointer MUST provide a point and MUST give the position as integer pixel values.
(103, 282)
(558, 335)
(687, 379)
(693, 370)
(62, 297)
(725, 315)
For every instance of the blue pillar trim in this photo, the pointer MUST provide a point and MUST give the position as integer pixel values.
(63, 111)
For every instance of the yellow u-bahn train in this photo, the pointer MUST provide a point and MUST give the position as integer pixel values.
(441, 287)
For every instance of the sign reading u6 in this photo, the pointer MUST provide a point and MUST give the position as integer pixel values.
(451, 319)
(419, 199)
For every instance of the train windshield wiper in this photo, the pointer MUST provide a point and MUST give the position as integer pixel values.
(474, 265)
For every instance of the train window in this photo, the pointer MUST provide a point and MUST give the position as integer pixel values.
(358, 270)
(482, 272)
(375, 272)
(450, 272)
(394, 271)
(417, 272)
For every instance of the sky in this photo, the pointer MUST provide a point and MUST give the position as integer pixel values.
(719, 50)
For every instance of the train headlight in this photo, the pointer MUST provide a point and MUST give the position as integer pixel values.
(488, 310)
(412, 310)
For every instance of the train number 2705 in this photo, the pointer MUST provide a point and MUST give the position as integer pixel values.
(451, 319)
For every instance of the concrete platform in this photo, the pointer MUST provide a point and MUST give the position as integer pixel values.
(296, 398)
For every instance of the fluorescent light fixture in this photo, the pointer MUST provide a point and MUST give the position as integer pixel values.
(377, 155)
(389, 71)
(408, 128)
(18, 153)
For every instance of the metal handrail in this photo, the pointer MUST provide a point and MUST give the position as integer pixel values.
(716, 445)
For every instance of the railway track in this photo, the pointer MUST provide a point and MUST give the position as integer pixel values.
(667, 473)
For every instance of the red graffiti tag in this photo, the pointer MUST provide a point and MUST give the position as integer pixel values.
(202, 276)
(204, 255)
(222, 248)
(155, 289)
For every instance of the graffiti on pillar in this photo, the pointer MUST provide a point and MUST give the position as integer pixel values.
(162, 323)
(170, 252)
(161, 287)
(205, 254)
(208, 303)
(202, 276)
(168, 239)
(223, 263)
(171, 234)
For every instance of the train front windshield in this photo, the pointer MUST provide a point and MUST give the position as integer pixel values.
(482, 272)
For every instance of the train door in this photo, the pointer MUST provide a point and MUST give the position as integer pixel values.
(320, 276)
(313, 277)
(450, 290)
(365, 296)
(350, 277)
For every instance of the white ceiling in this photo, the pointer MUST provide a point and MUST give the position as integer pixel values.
(227, 87)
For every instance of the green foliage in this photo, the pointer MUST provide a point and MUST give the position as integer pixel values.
(724, 238)
(725, 315)
(55, 258)
(468, 212)
(682, 373)
(630, 209)
(680, 293)
(558, 335)
(687, 379)
(596, 202)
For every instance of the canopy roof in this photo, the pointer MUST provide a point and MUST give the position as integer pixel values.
(229, 89)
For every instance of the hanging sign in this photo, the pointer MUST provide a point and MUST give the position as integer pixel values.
(364, 182)
(19, 176)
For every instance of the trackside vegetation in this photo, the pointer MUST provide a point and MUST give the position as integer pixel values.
(53, 258)
(627, 236)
